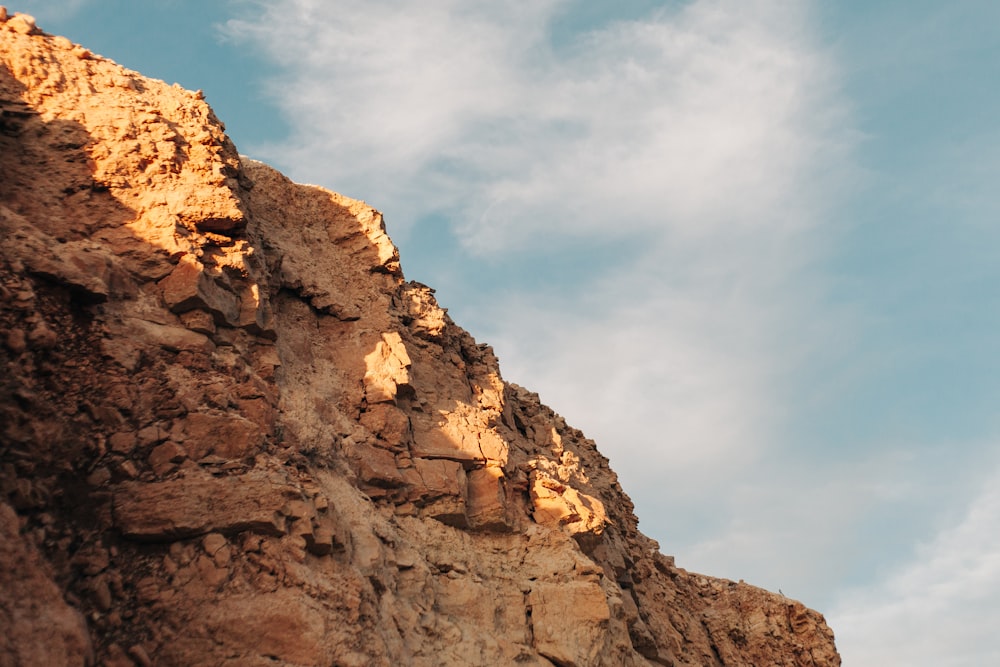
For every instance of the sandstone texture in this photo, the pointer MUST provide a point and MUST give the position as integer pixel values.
(232, 433)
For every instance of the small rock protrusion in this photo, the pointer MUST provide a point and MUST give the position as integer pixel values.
(15, 341)
(23, 23)
(140, 656)
(42, 337)
(165, 457)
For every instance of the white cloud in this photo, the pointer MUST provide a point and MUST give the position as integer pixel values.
(807, 525)
(707, 141)
(656, 372)
(700, 135)
(380, 90)
(938, 610)
(686, 124)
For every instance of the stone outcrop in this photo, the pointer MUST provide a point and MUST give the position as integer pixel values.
(234, 434)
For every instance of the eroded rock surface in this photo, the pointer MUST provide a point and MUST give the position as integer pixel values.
(234, 434)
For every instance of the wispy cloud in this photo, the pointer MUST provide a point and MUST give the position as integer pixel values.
(698, 146)
(689, 123)
(939, 610)
(692, 156)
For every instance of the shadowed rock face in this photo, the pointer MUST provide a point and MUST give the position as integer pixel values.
(233, 434)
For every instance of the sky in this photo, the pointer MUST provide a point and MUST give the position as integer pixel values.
(748, 246)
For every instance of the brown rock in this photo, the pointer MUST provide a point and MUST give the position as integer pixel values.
(197, 504)
(487, 500)
(439, 478)
(168, 337)
(260, 412)
(152, 434)
(22, 23)
(445, 437)
(569, 621)
(320, 541)
(321, 466)
(140, 656)
(210, 574)
(389, 423)
(101, 593)
(116, 657)
(225, 435)
(164, 458)
(41, 337)
(15, 341)
(123, 443)
(99, 476)
(88, 270)
(374, 465)
(92, 559)
(199, 321)
(285, 625)
(39, 627)
(189, 287)
(386, 369)
(213, 542)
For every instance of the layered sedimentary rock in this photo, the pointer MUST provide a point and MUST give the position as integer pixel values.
(234, 434)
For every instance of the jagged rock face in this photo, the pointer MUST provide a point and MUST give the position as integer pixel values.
(233, 434)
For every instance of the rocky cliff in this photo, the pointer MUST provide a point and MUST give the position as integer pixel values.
(234, 434)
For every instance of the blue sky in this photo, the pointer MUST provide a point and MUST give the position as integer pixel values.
(749, 246)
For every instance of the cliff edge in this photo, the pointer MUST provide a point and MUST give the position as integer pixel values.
(231, 432)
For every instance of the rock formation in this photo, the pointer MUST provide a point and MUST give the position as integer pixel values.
(233, 434)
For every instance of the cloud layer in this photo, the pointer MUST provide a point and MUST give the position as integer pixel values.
(940, 610)
(689, 124)
(692, 153)
(655, 222)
